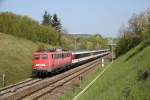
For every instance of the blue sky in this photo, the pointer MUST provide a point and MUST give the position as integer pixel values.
(81, 16)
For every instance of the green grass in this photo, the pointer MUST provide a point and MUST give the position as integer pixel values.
(122, 81)
(15, 58)
(70, 94)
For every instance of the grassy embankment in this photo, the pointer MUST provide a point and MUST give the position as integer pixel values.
(128, 78)
(15, 58)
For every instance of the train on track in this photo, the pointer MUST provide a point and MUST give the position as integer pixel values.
(52, 60)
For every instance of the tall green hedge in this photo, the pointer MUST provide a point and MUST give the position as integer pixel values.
(26, 27)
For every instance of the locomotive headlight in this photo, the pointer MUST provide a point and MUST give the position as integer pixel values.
(37, 64)
(43, 65)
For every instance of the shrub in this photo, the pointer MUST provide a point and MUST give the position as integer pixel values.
(26, 27)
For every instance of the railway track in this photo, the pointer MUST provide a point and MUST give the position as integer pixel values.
(16, 87)
(33, 89)
(59, 81)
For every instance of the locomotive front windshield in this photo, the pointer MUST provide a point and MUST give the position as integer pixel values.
(36, 57)
(44, 56)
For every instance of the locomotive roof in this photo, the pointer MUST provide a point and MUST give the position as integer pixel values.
(45, 52)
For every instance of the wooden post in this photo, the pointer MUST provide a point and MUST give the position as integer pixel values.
(102, 62)
(3, 78)
(80, 80)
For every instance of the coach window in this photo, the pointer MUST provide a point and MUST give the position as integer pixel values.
(44, 56)
(59, 55)
(62, 55)
(56, 55)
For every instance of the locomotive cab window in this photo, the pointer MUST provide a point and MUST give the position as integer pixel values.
(36, 57)
(45, 56)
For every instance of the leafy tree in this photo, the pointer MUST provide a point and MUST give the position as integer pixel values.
(146, 29)
(46, 19)
(56, 23)
(137, 31)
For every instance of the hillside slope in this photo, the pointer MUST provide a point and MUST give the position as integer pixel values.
(15, 58)
(127, 79)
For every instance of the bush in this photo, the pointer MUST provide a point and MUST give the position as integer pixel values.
(143, 75)
(41, 48)
(136, 31)
(26, 27)
(126, 43)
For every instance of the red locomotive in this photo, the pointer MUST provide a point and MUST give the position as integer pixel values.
(44, 62)
(54, 59)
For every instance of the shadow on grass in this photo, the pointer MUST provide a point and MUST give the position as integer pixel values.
(143, 45)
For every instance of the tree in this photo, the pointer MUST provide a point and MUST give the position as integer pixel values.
(137, 31)
(55, 22)
(146, 28)
(46, 19)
